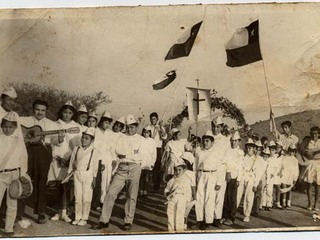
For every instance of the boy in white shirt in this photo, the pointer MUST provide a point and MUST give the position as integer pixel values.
(180, 190)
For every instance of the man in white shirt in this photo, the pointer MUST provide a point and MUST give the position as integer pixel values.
(158, 133)
(39, 155)
(129, 150)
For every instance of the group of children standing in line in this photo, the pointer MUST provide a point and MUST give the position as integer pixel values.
(212, 173)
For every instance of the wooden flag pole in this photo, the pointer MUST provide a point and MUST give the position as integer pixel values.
(267, 84)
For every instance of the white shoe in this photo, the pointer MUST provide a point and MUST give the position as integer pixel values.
(56, 217)
(24, 223)
(75, 222)
(246, 219)
(66, 218)
(82, 223)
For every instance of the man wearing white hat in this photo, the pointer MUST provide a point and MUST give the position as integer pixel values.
(13, 161)
(234, 158)
(82, 117)
(129, 151)
(211, 175)
(221, 145)
(39, 155)
(158, 133)
(84, 164)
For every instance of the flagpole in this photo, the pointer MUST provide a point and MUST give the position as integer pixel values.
(197, 80)
(267, 84)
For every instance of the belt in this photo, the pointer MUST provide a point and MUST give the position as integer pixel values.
(9, 170)
(207, 170)
(128, 163)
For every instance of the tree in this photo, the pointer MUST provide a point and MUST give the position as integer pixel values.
(228, 109)
(28, 92)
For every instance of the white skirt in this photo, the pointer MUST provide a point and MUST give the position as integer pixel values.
(312, 172)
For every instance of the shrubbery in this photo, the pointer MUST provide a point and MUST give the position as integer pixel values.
(28, 92)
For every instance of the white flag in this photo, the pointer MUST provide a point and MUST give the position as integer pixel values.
(199, 103)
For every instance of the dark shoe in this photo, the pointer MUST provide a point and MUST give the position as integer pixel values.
(42, 219)
(255, 214)
(217, 223)
(8, 234)
(127, 226)
(99, 226)
(201, 225)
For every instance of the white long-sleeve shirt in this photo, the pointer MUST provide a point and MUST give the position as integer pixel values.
(181, 185)
(80, 159)
(254, 167)
(131, 147)
(13, 152)
(150, 152)
(234, 159)
(155, 134)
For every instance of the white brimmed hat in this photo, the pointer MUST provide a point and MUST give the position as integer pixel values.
(106, 114)
(10, 91)
(93, 114)
(188, 156)
(174, 130)
(10, 117)
(258, 143)
(83, 108)
(217, 121)
(266, 151)
(250, 142)
(235, 136)
(208, 134)
(68, 103)
(121, 120)
(90, 131)
(147, 128)
(272, 144)
(179, 162)
(131, 120)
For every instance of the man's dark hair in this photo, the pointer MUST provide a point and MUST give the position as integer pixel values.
(154, 114)
(286, 123)
(39, 102)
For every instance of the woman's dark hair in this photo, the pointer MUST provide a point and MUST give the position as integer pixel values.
(64, 107)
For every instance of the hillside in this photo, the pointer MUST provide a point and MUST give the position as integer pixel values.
(302, 122)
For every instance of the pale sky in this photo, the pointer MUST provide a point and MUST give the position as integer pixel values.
(121, 51)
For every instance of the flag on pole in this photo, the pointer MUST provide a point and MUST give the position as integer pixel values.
(170, 76)
(243, 48)
(199, 103)
(184, 45)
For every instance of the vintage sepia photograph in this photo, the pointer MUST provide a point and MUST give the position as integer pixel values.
(159, 119)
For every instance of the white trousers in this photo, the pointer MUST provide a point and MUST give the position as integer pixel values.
(176, 213)
(106, 175)
(248, 198)
(220, 200)
(5, 180)
(83, 193)
(206, 197)
(267, 193)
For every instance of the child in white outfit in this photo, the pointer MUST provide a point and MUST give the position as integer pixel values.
(179, 191)
(84, 166)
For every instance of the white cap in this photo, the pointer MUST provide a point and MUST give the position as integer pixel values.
(147, 128)
(266, 151)
(121, 120)
(250, 142)
(188, 156)
(10, 117)
(272, 144)
(217, 120)
(10, 91)
(93, 114)
(174, 130)
(292, 146)
(83, 108)
(68, 103)
(235, 136)
(279, 143)
(208, 134)
(258, 143)
(107, 115)
(179, 162)
(90, 131)
(131, 120)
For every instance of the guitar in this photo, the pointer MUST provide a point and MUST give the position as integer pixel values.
(35, 134)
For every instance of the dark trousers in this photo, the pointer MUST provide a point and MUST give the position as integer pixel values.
(39, 159)
(230, 201)
(97, 190)
(257, 198)
(156, 172)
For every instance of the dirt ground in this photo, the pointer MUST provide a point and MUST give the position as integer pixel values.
(151, 217)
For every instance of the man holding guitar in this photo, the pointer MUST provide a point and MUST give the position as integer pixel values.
(39, 155)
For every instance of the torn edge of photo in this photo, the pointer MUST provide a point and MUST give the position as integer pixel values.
(160, 119)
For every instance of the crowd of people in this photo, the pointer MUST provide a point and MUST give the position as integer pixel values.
(92, 162)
